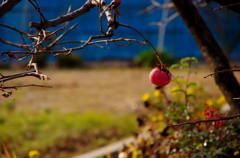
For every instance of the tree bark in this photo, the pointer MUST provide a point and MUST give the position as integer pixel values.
(211, 51)
(7, 6)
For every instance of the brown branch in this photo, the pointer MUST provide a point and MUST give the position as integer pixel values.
(64, 18)
(24, 74)
(227, 6)
(201, 121)
(71, 49)
(59, 37)
(15, 44)
(226, 70)
(7, 6)
(30, 85)
(13, 28)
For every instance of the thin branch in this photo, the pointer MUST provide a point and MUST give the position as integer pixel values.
(86, 43)
(201, 121)
(26, 47)
(13, 28)
(24, 74)
(155, 51)
(64, 18)
(59, 37)
(226, 70)
(227, 6)
(29, 85)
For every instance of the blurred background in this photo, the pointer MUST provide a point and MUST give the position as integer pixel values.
(96, 95)
(172, 37)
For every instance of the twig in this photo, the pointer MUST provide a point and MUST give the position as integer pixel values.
(30, 85)
(59, 37)
(226, 70)
(155, 51)
(227, 6)
(14, 29)
(64, 18)
(26, 47)
(201, 121)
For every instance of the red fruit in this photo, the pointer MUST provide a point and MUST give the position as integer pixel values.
(160, 76)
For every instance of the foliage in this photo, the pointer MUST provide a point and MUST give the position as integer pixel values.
(70, 61)
(204, 140)
(41, 59)
(23, 131)
(147, 58)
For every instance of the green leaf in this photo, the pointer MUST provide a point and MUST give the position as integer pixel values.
(185, 64)
(189, 95)
(189, 59)
(177, 90)
(174, 66)
(191, 84)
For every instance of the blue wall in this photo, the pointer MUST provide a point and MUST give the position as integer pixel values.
(178, 40)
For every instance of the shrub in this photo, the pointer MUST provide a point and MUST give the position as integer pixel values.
(41, 60)
(147, 58)
(157, 138)
(70, 61)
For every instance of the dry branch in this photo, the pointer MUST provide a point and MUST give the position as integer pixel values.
(64, 18)
(7, 6)
(201, 121)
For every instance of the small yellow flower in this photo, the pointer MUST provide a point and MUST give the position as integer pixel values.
(190, 91)
(33, 154)
(157, 93)
(161, 126)
(153, 118)
(173, 89)
(160, 116)
(221, 100)
(146, 97)
(236, 153)
(209, 102)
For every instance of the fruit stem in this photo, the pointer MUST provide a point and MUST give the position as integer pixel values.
(155, 51)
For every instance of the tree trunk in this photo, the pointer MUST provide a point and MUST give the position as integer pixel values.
(211, 51)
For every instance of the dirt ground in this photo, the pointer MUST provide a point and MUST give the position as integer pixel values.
(117, 90)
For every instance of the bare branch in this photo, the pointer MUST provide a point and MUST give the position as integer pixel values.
(13, 28)
(15, 44)
(226, 70)
(64, 18)
(227, 6)
(59, 37)
(201, 121)
(23, 74)
(29, 85)
(7, 6)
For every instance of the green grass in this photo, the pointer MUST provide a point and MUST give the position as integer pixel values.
(40, 131)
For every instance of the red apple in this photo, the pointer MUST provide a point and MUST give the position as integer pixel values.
(160, 76)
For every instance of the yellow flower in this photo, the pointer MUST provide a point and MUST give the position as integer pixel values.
(236, 153)
(161, 126)
(153, 118)
(146, 97)
(173, 89)
(157, 93)
(221, 100)
(209, 102)
(33, 154)
(190, 91)
(160, 116)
